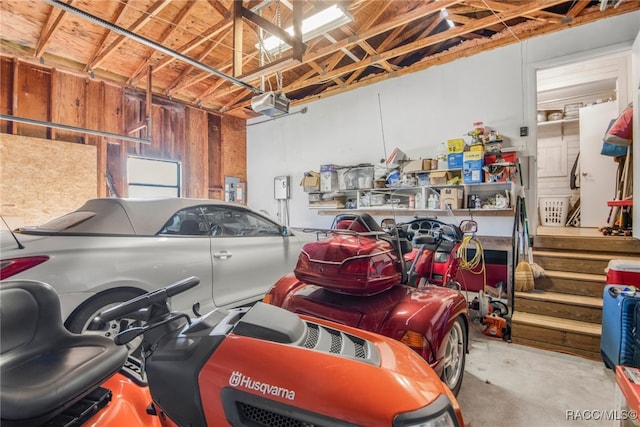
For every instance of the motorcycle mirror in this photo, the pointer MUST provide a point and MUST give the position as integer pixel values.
(468, 226)
(388, 223)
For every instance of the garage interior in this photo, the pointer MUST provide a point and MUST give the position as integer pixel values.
(90, 91)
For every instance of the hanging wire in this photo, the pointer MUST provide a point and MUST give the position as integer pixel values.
(500, 19)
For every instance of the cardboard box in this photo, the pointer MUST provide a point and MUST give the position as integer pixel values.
(455, 146)
(417, 166)
(355, 178)
(505, 169)
(472, 172)
(333, 203)
(454, 160)
(310, 181)
(451, 198)
(439, 177)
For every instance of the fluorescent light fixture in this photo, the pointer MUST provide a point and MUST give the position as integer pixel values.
(326, 20)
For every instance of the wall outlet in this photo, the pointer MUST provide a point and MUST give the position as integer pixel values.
(524, 131)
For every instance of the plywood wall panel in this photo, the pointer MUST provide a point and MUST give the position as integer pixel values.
(33, 103)
(34, 188)
(207, 149)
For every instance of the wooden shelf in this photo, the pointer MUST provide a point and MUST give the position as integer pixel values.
(411, 212)
(557, 122)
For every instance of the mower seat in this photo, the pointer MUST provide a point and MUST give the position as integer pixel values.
(45, 368)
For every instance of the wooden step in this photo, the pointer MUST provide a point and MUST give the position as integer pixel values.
(564, 335)
(579, 262)
(571, 283)
(627, 246)
(565, 306)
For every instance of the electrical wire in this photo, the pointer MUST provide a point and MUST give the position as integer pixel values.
(477, 259)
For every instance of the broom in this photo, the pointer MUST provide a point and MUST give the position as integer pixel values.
(526, 272)
(524, 280)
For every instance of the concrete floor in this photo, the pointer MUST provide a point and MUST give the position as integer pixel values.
(512, 385)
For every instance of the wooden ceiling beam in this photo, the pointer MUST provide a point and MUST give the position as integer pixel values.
(52, 25)
(378, 11)
(427, 31)
(523, 31)
(577, 8)
(119, 13)
(211, 90)
(289, 63)
(119, 40)
(163, 38)
(181, 82)
(243, 93)
(192, 44)
(495, 6)
(417, 13)
(219, 7)
(437, 38)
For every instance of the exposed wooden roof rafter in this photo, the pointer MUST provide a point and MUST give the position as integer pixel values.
(384, 39)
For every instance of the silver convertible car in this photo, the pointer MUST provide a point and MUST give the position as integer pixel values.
(111, 250)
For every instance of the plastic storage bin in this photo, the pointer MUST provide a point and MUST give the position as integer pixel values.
(553, 210)
(623, 272)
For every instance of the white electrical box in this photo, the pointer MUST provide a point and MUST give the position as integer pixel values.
(281, 187)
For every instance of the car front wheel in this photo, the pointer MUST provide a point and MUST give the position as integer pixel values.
(455, 356)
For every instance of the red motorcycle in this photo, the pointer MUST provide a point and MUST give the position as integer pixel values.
(260, 366)
(364, 276)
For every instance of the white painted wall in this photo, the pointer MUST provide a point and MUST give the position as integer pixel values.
(418, 111)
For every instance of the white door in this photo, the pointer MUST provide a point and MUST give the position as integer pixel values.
(597, 172)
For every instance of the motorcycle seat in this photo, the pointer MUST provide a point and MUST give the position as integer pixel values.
(45, 368)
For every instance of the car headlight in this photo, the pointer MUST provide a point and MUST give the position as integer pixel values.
(440, 413)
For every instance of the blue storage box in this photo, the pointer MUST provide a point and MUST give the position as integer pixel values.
(618, 336)
(472, 172)
(454, 160)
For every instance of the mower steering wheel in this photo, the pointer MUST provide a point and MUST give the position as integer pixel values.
(149, 299)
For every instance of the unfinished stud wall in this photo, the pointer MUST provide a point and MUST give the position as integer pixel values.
(204, 143)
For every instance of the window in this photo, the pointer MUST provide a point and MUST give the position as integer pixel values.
(187, 222)
(149, 178)
(219, 221)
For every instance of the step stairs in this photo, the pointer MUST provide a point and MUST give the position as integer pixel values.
(564, 311)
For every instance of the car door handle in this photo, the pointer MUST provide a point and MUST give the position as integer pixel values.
(222, 255)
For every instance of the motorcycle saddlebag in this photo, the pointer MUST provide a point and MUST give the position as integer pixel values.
(350, 264)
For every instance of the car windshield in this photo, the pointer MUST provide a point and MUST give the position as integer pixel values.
(64, 222)
(219, 221)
